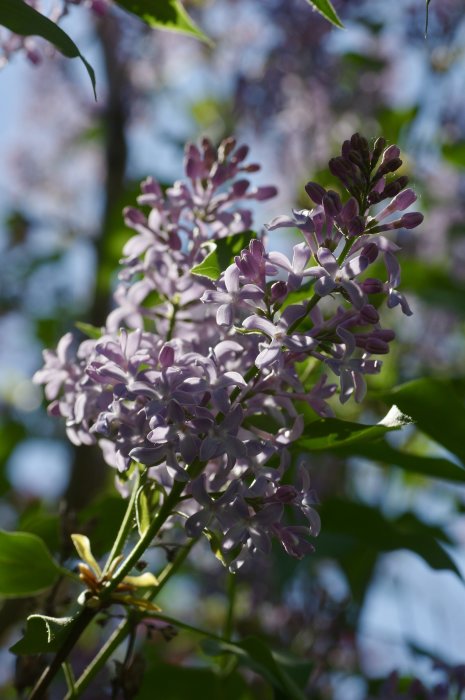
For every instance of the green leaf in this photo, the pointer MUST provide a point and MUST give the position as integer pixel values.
(89, 330)
(26, 567)
(325, 8)
(173, 682)
(369, 527)
(43, 634)
(165, 14)
(102, 520)
(332, 433)
(434, 467)
(436, 409)
(37, 520)
(255, 654)
(222, 254)
(21, 18)
(434, 284)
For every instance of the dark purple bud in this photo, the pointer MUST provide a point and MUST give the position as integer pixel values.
(411, 220)
(346, 149)
(372, 286)
(395, 187)
(332, 204)
(391, 190)
(370, 252)
(368, 314)
(240, 187)
(356, 158)
(356, 226)
(315, 191)
(263, 193)
(278, 291)
(376, 346)
(385, 334)
(340, 170)
(225, 148)
(241, 154)
(252, 168)
(209, 153)
(174, 241)
(378, 148)
(133, 217)
(374, 197)
(349, 210)
(389, 167)
(391, 153)
(166, 356)
(361, 144)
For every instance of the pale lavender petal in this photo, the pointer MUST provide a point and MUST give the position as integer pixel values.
(259, 324)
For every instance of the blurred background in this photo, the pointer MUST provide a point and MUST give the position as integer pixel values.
(285, 81)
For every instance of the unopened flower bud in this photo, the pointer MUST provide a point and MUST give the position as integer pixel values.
(278, 291)
(315, 191)
(332, 204)
(411, 220)
(368, 314)
(372, 286)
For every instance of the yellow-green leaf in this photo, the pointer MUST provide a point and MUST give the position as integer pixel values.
(82, 545)
(143, 581)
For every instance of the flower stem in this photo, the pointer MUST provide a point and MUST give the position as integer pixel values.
(126, 525)
(229, 620)
(88, 614)
(124, 628)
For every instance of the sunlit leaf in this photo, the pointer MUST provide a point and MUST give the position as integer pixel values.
(165, 14)
(145, 580)
(43, 634)
(332, 433)
(325, 8)
(221, 254)
(436, 409)
(26, 566)
(89, 330)
(21, 18)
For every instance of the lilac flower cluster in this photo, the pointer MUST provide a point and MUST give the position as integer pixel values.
(202, 381)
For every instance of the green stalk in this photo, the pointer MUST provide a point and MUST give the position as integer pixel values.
(121, 632)
(79, 625)
(126, 525)
(229, 620)
(68, 673)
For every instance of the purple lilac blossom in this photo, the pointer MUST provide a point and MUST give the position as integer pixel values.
(199, 374)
